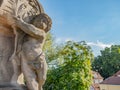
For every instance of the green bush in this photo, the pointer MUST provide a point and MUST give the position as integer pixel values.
(74, 73)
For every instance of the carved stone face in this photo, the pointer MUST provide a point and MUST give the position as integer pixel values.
(40, 22)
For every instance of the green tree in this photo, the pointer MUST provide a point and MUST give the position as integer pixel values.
(50, 48)
(108, 62)
(74, 72)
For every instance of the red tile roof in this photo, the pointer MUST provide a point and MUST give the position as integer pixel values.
(113, 80)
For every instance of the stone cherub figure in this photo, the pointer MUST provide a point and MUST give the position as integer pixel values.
(31, 57)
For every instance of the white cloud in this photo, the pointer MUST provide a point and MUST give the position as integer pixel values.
(96, 46)
(99, 44)
(62, 40)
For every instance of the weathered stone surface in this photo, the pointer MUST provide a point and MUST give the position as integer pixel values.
(23, 28)
(6, 49)
(8, 86)
(6, 33)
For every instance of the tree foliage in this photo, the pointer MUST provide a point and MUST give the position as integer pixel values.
(74, 72)
(108, 62)
(51, 49)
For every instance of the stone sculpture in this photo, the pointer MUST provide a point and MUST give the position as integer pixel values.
(23, 26)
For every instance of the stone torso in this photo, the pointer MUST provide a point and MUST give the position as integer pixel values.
(32, 47)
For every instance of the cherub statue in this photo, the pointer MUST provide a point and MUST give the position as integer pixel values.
(31, 57)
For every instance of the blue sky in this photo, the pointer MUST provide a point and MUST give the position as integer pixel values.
(95, 21)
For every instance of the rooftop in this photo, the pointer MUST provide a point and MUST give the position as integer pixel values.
(113, 80)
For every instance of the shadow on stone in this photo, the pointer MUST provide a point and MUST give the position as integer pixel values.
(9, 86)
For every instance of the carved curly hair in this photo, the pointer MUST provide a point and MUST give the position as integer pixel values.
(45, 18)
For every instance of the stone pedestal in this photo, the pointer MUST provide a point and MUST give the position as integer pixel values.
(8, 86)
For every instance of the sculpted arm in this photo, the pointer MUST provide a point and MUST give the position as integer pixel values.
(29, 29)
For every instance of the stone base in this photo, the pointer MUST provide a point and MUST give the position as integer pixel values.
(8, 86)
